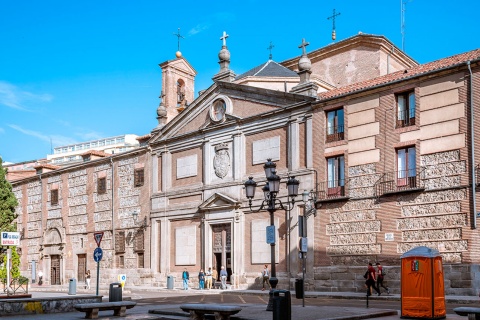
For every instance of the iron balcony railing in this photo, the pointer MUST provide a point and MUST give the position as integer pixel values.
(406, 118)
(332, 190)
(335, 133)
(399, 181)
(477, 175)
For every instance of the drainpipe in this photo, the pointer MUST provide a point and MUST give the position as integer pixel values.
(113, 214)
(472, 147)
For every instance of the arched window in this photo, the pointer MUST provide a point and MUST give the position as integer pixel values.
(180, 92)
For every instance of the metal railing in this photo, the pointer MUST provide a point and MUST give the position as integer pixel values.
(335, 133)
(406, 118)
(17, 286)
(399, 181)
(332, 190)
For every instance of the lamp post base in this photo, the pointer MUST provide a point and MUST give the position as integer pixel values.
(273, 285)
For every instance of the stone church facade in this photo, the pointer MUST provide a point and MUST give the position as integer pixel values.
(386, 146)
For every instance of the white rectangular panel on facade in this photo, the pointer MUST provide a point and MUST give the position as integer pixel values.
(185, 245)
(266, 149)
(187, 166)
(261, 251)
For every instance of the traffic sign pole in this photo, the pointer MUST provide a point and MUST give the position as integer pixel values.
(97, 256)
(98, 275)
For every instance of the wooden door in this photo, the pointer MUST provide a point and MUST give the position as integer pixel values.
(82, 267)
(55, 270)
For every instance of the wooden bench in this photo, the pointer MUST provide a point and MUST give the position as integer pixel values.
(119, 308)
(198, 311)
(471, 312)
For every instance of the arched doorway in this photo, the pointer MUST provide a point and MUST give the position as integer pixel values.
(53, 256)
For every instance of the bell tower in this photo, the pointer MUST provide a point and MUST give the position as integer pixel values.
(178, 79)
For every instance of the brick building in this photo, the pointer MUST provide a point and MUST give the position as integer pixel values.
(386, 145)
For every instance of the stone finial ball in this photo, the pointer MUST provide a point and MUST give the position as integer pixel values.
(178, 54)
(224, 54)
(304, 63)
(161, 111)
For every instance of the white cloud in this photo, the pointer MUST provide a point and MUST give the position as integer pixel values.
(15, 98)
(56, 140)
(2, 130)
(198, 28)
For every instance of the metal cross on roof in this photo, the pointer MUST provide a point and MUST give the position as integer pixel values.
(333, 18)
(270, 48)
(178, 35)
(224, 38)
(304, 45)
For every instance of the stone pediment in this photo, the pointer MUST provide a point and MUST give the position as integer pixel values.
(219, 201)
(241, 102)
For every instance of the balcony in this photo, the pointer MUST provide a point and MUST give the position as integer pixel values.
(335, 134)
(406, 118)
(399, 182)
(330, 191)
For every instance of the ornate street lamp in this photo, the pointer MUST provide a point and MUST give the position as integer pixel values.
(271, 203)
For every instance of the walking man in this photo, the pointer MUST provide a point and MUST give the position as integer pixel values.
(223, 277)
(185, 278)
(380, 275)
(371, 279)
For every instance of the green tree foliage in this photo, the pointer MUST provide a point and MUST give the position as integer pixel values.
(8, 202)
(15, 269)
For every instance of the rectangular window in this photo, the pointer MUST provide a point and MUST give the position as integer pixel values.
(120, 242)
(102, 185)
(120, 261)
(405, 109)
(335, 125)
(140, 260)
(139, 242)
(54, 196)
(139, 177)
(336, 176)
(406, 167)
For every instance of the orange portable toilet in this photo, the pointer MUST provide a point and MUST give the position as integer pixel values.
(422, 286)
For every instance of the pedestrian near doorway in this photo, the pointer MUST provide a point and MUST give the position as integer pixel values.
(265, 277)
(185, 278)
(223, 277)
(214, 276)
(380, 277)
(87, 280)
(201, 279)
(371, 280)
(208, 278)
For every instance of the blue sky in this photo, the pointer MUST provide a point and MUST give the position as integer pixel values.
(75, 71)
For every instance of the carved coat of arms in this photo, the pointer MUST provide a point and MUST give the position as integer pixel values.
(221, 161)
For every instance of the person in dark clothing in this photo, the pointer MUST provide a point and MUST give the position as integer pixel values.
(201, 279)
(371, 280)
(380, 276)
(185, 278)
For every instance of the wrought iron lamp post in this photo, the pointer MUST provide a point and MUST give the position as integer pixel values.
(310, 200)
(272, 203)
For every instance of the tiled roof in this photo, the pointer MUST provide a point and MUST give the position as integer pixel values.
(46, 166)
(147, 136)
(404, 74)
(269, 69)
(96, 153)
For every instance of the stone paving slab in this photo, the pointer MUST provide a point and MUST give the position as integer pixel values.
(258, 312)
